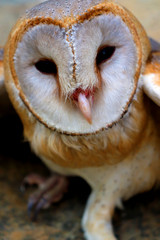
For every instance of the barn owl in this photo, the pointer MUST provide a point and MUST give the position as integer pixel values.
(85, 82)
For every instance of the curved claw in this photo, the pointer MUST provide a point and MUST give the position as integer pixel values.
(30, 207)
(39, 206)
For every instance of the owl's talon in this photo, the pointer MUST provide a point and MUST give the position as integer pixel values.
(29, 208)
(50, 191)
(39, 206)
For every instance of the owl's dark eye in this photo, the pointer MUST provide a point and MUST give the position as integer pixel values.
(105, 54)
(46, 66)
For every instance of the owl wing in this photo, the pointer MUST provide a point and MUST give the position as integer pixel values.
(5, 104)
(154, 45)
(151, 77)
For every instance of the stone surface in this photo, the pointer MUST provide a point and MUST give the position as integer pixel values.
(140, 219)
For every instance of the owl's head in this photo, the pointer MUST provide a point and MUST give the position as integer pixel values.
(76, 64)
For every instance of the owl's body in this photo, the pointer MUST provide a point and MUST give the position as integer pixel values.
(116, 150)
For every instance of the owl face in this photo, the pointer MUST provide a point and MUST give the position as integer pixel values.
(76, 74)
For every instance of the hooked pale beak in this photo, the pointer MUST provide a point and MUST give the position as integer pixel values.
(84, 100)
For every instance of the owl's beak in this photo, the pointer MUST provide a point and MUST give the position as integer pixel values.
(85, 105)
(84, 101)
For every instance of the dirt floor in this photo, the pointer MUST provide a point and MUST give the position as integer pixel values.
(140, 219)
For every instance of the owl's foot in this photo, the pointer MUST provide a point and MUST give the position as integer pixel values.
(49, 191)
(96, 221)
